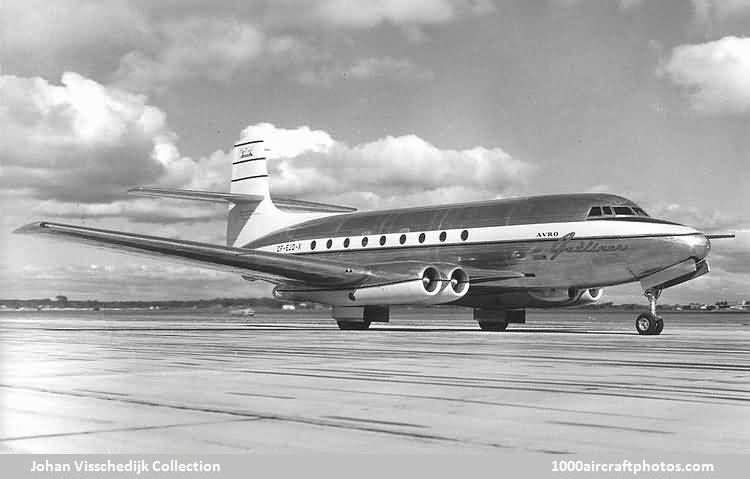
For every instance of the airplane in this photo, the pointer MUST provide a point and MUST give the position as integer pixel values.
(497, 257)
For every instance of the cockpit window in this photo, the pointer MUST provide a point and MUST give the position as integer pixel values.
(599, 211)
(623, 210)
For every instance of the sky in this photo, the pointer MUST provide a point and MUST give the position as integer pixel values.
(369, 103)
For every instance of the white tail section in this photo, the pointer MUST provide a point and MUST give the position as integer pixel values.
(249, 170)
(250, 220)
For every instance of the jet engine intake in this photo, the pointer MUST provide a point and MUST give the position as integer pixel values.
(455, 285)
(590, 295)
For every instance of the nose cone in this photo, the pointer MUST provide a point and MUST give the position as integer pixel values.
(698, 245)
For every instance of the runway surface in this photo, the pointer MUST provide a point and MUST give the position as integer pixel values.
(566, 382)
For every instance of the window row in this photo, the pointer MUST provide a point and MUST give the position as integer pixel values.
(616, 210)
(401, 240)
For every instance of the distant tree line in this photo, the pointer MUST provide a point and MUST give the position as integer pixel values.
(64, 302)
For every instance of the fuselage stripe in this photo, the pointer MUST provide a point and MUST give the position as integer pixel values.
(249, 159)
(549, 232)
(249, 178)
(248, 143)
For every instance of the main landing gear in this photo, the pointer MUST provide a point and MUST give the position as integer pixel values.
(649, 323)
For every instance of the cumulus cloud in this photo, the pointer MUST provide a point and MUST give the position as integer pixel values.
(404, 169)
(79, 145)
(78, 140)
(85, 144)
(716, 74)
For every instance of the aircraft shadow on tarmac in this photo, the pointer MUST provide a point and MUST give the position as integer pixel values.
(507, 331)
(397, 329)
(419, 329)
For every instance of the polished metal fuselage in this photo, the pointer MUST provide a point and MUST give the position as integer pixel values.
(548, 240)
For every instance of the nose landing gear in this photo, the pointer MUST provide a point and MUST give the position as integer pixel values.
(649, 323)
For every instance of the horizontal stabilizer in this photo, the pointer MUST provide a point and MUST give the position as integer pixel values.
(214, 197)
(720, 236)
(299, 205)
(237, 198)
(271, 266)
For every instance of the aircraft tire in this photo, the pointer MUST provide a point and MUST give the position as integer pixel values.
(659, 325)
(353, 325)
(648, 324)
(493, 325)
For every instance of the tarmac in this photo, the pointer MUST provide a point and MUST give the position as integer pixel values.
(429, 381)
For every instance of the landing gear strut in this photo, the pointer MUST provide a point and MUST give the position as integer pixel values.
(649, 323)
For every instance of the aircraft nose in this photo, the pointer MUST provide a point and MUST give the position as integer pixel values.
(698, 245)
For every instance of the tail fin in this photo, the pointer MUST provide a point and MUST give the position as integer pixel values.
(249, 170)
(253, 214)
(250, 220)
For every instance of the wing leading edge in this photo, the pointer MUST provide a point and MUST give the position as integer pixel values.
(264, 264)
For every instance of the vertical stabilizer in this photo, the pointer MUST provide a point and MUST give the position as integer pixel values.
(249, 170)
(258, 216)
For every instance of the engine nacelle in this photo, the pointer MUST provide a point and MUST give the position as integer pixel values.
(589, 296)
(455, 285)
(548, 297)
(421, 285)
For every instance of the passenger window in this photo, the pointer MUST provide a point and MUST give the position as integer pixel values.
(346, 243)
(595, 211)
(402, 239)
(443, 235)
(623, 210)
(422, 237)
(329, 243)
(464, 235)
(364, 241)
(607, 210)
(313, 244)
(382, 240)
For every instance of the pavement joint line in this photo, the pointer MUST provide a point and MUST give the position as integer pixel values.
(120, 429)
(510, 388)
(262, 416)
(479, 401)
(605, 426)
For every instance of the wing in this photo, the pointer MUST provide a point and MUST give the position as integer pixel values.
(261, 264)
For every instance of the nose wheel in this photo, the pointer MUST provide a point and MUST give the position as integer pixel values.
(649, 323)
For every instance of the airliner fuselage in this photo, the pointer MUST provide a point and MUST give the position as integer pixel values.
(559, 245)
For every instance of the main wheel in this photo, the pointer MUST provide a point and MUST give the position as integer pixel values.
(493, 325)
(353, 325)
(647, 323)
(659, 325)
